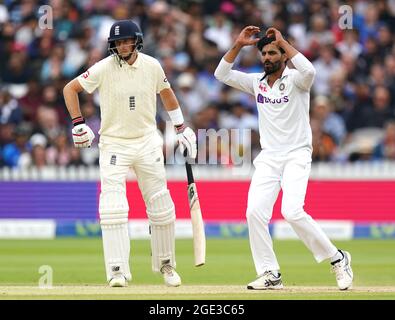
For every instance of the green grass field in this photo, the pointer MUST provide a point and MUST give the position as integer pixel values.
(78, 271)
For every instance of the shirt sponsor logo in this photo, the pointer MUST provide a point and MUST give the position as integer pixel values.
(85, 74)
(261, 99)
(262, 87)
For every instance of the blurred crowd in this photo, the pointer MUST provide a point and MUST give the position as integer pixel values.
(352, 99)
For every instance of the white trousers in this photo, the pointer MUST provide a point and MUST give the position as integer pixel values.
(144, 155)
(290, 173)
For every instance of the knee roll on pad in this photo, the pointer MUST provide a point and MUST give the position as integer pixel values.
(113, 207)
(160, 208)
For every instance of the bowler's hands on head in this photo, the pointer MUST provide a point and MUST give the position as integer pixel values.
(274, 33)
(83, 136)
(245, 37)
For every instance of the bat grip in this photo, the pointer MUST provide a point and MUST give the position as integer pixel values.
(189, 173)
(188, 167)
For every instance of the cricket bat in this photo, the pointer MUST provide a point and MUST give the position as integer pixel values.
(199, 237)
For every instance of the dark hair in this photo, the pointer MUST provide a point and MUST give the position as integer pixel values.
(266, 40)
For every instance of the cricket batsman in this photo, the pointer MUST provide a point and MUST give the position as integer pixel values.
(283, 100)
(128, 82)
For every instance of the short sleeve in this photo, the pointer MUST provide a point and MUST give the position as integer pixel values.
(161, 80)
(90, 80)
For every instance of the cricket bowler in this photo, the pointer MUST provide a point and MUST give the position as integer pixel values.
(282, 97)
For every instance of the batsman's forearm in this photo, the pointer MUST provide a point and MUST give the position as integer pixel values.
(72, 102)
(231, 55)
(169, 99)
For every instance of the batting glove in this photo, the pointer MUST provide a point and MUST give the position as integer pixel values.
(187, 140)
(83, 136)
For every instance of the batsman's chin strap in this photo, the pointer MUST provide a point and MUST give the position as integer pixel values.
(120, 58)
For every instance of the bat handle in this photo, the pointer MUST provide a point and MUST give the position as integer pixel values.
(188, 167)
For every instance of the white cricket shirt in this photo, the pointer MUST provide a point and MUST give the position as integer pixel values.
(127, 95)
(283, 110)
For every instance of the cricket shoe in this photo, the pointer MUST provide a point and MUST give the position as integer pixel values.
(343, 271)
(267, 281)
(118, 281)
(171, 277)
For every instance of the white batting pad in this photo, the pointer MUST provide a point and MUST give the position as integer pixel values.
(116, 245)
(113, 207)
(161, 214)
(113, 210)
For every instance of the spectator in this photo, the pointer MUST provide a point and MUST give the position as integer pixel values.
(326, 65)
(381, 111)
(17, 70)
(350, 43)
(385, 150)
(371, 25)
(55, 67)
(384, 39)
(330, 122)
(219, 31)
(17, 154)
(38, 144)
(31, 100)
(324, 146)
(239, 118)
(60, 152)
(319, 35)
(10, 110)
(189, 95)
(48, 122)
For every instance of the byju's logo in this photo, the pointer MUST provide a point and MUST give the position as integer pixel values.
(261, 99)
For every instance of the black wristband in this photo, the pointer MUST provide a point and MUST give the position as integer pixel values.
(78, 120)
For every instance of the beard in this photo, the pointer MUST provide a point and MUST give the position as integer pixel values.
(271, 67)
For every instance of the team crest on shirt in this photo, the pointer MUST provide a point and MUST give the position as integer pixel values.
(132, 103)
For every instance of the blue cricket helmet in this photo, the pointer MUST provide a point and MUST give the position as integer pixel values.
(124, 29)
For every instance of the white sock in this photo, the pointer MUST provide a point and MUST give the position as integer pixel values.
(337, 256)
